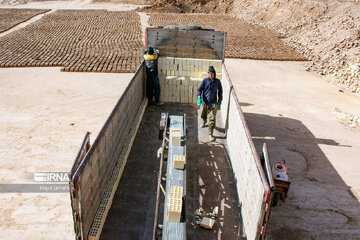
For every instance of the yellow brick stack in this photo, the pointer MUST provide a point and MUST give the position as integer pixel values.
(179, 162)
(175, 137)
(175, 204)
(180, 77)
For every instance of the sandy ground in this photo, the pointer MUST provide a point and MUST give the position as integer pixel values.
(292, 111)
(44, 114)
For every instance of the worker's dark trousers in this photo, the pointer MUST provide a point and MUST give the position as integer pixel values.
(152, 86)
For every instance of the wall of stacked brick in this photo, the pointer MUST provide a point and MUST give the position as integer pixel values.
(78, 41)
(250, 182)
(180, 77)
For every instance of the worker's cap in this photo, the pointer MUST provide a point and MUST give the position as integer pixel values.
(151, 50)
(211, 69)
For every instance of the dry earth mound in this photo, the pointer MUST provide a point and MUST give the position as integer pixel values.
(326, 32)
(191, 6)
(78, 40)
(135, 2)
(19, 2)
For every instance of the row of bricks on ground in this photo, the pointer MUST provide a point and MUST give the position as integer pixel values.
(188, 64)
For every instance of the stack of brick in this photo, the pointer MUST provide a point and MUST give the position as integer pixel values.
(175, 137)
(179, 162)
(175, 204)
(180, 77)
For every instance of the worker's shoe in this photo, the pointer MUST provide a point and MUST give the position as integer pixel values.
(211, 138)
(202, 125)
(159, 103)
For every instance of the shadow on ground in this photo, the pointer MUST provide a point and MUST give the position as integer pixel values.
(319, 204)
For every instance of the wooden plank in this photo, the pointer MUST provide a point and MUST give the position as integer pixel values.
(282, 187)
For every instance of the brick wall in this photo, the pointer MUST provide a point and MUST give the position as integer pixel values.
(97, 167)
(180, 77)
(250, 179)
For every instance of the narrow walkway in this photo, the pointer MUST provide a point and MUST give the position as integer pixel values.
(144, 18)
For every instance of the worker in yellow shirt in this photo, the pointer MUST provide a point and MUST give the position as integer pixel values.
(151, 56)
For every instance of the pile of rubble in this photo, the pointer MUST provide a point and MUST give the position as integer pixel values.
(333, 46)
(204, 219)
(191, 6)
(347, 119)
(348, 77)
(325, 32)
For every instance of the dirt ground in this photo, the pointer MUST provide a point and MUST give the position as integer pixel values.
(45, 114)
(325, 31)
(293, 112)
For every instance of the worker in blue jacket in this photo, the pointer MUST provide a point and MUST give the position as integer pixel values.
(151, 56)
(209, 96)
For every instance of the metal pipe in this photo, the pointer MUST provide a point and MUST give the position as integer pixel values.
(185, 188)
(268, 167)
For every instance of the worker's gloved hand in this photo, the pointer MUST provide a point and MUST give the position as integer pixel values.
(219, 106)
(199, 101)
